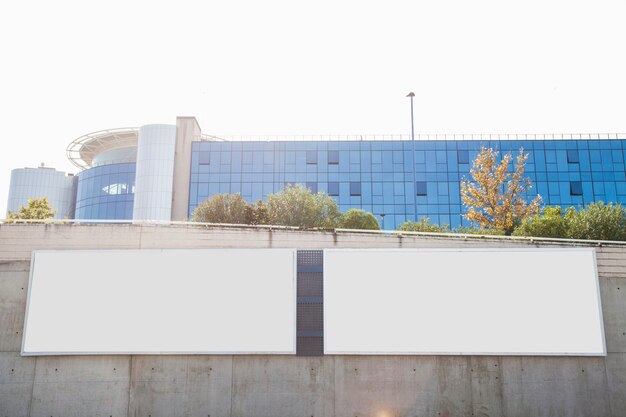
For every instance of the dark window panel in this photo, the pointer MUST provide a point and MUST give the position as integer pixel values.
(204, 158)
(572, 156)
(463, 156)
(420, 188)
(333, 188)
(355, 188)
(575, 188)
(312, 186)
(333, 157)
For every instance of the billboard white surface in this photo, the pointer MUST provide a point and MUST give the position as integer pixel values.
(489, 301)
(161, 301)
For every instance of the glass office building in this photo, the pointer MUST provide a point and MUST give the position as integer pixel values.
(378, 176)
(162, 172)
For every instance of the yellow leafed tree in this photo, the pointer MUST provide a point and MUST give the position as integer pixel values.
(496, 198)
(37, 209)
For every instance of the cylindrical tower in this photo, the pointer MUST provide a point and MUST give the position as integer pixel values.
(155, 173)
(59, 188)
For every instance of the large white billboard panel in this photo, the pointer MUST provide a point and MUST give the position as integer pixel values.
(161, 301)
(490, 301)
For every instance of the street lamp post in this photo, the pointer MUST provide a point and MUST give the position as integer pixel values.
(382, 216)
(411, 95)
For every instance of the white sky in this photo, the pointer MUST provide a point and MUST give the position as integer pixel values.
(286, 67)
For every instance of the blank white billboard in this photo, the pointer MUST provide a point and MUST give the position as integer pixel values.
(457, 301)
(161, 301)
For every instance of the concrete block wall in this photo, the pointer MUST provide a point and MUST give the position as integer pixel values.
(265, 385)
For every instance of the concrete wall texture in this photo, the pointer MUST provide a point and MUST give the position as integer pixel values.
(274, 386)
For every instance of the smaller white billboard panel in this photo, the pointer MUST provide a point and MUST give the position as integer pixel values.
(486, 301)
(161, 301)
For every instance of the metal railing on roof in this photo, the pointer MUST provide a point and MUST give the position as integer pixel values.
(418, 137)
(91, 142)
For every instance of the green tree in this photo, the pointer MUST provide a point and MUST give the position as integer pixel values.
(359, 219)
(222, 208)
(297, 206)
(550, 223)
(597, 221)
(36, 209)
(496, 198)
(424, 225)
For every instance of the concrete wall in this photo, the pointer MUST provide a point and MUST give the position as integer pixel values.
(353, 386)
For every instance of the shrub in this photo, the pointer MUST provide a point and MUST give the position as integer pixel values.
(257, 214)
(550, 223)
(223, 208)
(597, 221)
(423, 225)
(359, 219)
(297, 206)
(465, 230)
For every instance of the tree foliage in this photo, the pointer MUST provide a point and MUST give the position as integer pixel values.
(293, 206)
(424, 225)
(496, 199)
(464, 230)
(359, 219)
(36, 209)
(222, 208)
(597, 221)
(550, 223)
(257, 213)
(297, 206)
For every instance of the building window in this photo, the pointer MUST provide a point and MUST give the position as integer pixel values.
(333, 157)
(116, 189)
(355, 188)
(420, 188)
(333, 188)
(312, 186)
(572, 156)
(576, 188)
(311, 157)
(204, 158)
(462, 156)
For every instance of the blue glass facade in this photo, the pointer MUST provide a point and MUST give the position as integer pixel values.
(377, 176)
(106, 192)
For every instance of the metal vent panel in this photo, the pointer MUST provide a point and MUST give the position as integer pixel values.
(310, 307)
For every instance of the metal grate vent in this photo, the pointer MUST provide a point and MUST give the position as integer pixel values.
(310, 317)
(310, 257)
(310, 346)
(310, 284)
(310, 310)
